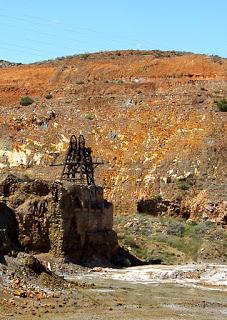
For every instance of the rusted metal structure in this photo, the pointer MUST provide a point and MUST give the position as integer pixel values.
(78, 166)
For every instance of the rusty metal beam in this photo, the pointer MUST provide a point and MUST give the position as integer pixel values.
(78, 166)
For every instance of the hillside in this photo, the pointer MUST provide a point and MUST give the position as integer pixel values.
(150, 115)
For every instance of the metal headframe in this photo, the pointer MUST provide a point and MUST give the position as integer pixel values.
(78, 166)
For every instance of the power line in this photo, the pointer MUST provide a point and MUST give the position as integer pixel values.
(23, 47)
(9, 47)
(68, 28)
(63, 33)
(41, 32)
(48, 42)
(61, 38)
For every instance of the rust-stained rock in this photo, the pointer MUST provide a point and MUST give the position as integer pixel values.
(151, 115)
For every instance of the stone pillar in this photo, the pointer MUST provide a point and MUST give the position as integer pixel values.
(78, 213)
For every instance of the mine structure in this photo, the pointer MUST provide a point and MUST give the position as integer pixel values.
(68, 218)
(78, 166)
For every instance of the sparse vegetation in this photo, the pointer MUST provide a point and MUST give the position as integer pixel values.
(184, 185)
(84, 56)
(49, 96)
(170, 239)
(175, 228)
(89, 116)
(198, 230)
(26, 101)
(222, 105)
(189, 247)
(217, 59)
(79, 82)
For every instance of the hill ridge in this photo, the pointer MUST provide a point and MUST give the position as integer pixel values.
(153, 119)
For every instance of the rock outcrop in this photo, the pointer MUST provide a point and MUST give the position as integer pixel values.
(64, 219)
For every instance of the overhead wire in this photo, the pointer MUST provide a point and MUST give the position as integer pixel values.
(68, 28)
(40, 32)
(63, 32)
(22, 47)
(44, 33)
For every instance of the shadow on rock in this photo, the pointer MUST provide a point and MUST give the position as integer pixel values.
(9, 230)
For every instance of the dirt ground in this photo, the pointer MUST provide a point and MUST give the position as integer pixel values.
(106, 297)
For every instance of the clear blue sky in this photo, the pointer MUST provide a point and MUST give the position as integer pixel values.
(44, 29)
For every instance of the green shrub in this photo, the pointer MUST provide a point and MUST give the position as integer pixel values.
(175, 228)
(222, 105)
(188, 246)
(49, 96)
(89, 116)
(79, 82)
(198, 230)
(84, 56)
(202, 228)
(184, 185)
(26, 101)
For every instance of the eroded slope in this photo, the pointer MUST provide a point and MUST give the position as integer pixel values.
(150, 115)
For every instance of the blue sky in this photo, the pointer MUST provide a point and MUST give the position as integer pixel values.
(37, 30)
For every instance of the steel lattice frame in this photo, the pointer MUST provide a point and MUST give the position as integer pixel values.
(78, 166)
